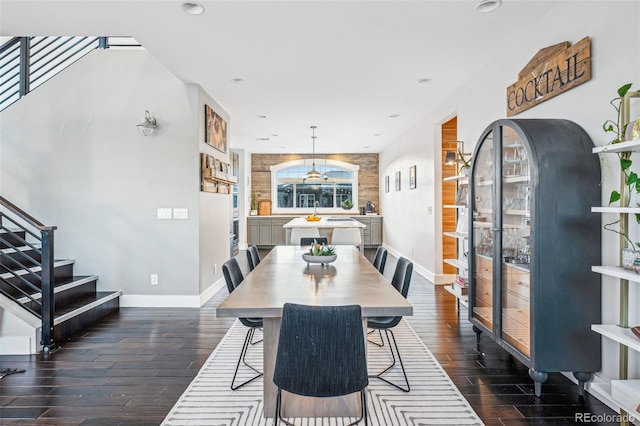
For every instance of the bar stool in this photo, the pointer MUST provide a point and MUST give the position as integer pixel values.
(298, 233)
(346, 236)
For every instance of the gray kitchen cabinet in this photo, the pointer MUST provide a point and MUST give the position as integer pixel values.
(277, 230)
(253, 231)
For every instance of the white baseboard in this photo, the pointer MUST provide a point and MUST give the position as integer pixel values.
(170, 301)
(16, 345)
(437, 279)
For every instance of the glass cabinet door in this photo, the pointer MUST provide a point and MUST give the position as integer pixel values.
(483, 219)
(515, 249)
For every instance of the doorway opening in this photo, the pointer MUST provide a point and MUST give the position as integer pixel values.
(449, 215)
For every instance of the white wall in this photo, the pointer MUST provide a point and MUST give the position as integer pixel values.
(73, 157)
(614, 28)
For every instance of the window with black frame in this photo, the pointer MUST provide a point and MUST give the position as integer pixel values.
(293, 191)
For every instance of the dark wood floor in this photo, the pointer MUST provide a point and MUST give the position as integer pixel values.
(132, 366)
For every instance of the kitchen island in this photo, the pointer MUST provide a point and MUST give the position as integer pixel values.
(325, 225)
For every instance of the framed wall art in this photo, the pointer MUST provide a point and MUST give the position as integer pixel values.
(386, 183)
(412, 177)
(398, 181)
(215, 133)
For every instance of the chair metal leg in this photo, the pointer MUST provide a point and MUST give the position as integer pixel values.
(241, 358)
(257, 341)
(363, 410)
(381, 344)
(379, 375)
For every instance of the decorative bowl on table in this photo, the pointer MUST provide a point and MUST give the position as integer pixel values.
(320, 253)
(312, 218)
(309, 258)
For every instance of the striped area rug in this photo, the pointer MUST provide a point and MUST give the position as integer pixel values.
(433, 399)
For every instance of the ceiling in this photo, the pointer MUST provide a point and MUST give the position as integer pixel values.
(347, 67)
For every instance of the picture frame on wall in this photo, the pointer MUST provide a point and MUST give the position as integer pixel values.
(412, 177)
(398, 180)
(386, 183)
(215, 133)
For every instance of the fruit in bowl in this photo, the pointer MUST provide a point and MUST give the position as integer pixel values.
(312, 218)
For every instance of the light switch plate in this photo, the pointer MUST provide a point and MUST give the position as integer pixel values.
(164, 213)
(182, 213)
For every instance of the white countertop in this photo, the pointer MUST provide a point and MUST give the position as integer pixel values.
(301, 222)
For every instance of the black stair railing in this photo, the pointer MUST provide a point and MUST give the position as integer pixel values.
(27, 62)
(14, 269)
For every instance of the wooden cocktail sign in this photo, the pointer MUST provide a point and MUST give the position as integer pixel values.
(553, 70)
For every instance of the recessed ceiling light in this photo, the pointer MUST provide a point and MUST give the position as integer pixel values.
(237, 80)
(192, 8)
(282, 146)
(486, 6)
(424, 81)
(377, 134)
(366, 146)
(262, 116)
(275, 135)
(394, 116)
(262, 139)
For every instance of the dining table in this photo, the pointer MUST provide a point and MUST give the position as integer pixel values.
(284, 277)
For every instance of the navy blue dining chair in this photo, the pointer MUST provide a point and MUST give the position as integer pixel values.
(253, 257)
(380, 260)
(321, 353)
(233, 277)
(401, 280)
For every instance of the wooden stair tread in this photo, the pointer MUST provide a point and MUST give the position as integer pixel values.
(100, 295)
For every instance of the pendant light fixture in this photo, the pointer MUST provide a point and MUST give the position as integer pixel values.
(313, 173)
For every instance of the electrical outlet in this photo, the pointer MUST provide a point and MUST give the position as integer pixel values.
(154, 279)
(429, 210)
(215, 268)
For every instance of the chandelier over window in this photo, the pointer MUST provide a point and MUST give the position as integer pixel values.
(313, 173)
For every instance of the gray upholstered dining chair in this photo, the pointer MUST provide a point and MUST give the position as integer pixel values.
(321, 354)
(401, 280)
(253, 257)
(307, 241)
(233, 277)
(380, 260)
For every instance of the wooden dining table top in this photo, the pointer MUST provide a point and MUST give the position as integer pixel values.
(283, 276)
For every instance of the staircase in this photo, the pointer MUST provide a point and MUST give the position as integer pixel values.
(27, 62)
(42, 302)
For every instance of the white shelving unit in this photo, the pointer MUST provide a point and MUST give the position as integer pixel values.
(619, 333)
(459, 235)
(462, 299)
(459, 264)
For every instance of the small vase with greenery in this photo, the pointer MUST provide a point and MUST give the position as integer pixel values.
(347, 204)
(254, 204)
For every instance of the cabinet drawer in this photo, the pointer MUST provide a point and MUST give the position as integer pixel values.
(483, 293)
(516, 281)
(484, 268)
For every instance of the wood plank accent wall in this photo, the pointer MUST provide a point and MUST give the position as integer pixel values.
(368, 176)
(449, 216)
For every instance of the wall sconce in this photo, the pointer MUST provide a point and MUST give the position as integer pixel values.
(458, 157)
(450, 158)
(148, 125)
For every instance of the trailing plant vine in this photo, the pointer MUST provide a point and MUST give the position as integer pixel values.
(631, 178)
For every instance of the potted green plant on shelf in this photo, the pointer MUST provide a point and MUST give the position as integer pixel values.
(630, 178)
(347, 204)
(254, 205)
